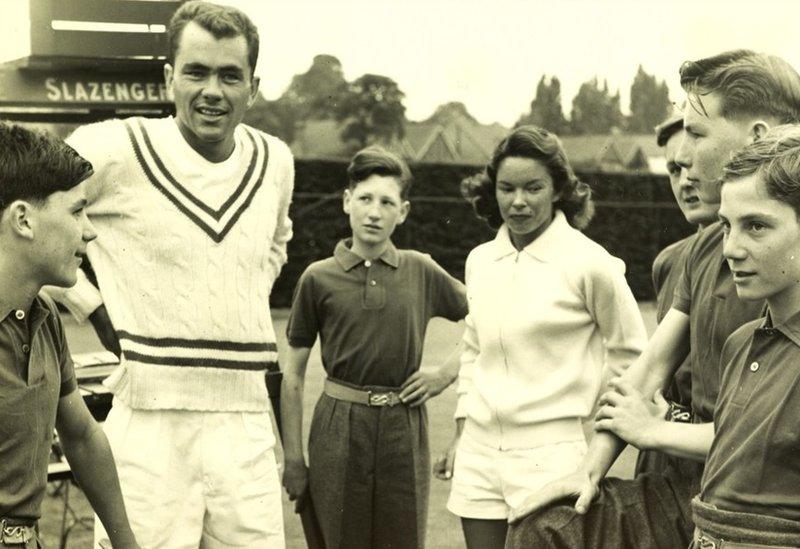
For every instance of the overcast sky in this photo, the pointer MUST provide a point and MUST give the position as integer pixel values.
(490, 54)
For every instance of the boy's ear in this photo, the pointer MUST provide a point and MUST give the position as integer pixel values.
(346, 196)
(405, 208)
(19, 217)
(758, 129)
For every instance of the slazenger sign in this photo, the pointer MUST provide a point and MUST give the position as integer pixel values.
(100, 92)
(82, 88)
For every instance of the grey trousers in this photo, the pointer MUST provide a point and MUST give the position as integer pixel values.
(369, 471)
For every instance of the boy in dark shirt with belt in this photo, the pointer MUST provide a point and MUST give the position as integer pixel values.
(370, 303)
(43, 233)
(750, 493)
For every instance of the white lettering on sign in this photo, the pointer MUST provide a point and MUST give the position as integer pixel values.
(103, 92)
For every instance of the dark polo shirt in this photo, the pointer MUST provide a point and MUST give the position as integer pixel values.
(371, 316)
(35, 371)
(666, 273)
(705, 292)
(754, 462)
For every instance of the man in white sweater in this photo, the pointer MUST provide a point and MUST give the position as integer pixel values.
(192, 219)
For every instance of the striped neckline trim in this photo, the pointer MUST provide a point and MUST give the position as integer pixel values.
(216, 223)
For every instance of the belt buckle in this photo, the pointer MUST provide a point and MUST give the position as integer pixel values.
(15, 534)
(383, 399)
(706, 543)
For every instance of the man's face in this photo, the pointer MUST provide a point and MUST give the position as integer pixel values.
(707, 145)
(761, 243)
(694, 210)
(61, 232)
(212, 88)
(375, 207)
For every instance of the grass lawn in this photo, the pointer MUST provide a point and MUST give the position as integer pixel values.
(444, 530)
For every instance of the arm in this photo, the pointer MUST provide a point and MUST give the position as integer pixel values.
(629, 416)
(295, 474)
(651, 371)
(611, 304)
(92, 463)
(105, 330)
(685, 440)
(665, 351)
(443, 468)
(422, 385)
(283, 226)
(81, 300)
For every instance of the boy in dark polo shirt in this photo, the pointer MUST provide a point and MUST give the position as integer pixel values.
(43, 234)
(666, 273)
(750, 492)
(370, 303)
(733, 99)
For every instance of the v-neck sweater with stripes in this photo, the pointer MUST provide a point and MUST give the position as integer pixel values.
(186, 255)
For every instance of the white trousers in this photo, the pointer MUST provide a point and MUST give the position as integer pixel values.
(197, 479)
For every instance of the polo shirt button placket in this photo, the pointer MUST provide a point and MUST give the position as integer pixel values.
(368, 264)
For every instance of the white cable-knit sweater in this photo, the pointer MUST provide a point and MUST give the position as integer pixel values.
(542, 323)
(186, 255)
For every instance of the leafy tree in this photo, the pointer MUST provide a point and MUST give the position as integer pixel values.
(316, 94)
(372, 111)
(595, 110)
(278, 117)
(650, 103)
(546, 108)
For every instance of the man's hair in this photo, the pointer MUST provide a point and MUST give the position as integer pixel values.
(34, 165)
(773, 159)
(575, 196)
(376, 160)
(748, 83)
(668, 128)
(220, 21)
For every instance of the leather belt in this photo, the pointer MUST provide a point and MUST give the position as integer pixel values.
(16, 531)
(704, 540)
(360, 396)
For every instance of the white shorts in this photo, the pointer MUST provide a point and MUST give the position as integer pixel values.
(197, 479)
(487, 482)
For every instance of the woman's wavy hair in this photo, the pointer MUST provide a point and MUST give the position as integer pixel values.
(575, 197)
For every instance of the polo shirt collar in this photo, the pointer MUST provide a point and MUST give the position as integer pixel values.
(546, 246)
(37, 312)
(347, 258)
(790, 328)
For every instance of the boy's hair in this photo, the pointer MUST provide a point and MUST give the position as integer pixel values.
(34, 165)
(748, 83)
(376, 160)
(575, 197)
(220, 21)
(775, 160)
(668, 128)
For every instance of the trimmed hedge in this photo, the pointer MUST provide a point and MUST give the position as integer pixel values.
(636, 217)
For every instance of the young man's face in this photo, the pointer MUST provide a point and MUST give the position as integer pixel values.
(212, 87)
(375, 207)
(693, 209)
(707, 145)
(761, 243)
(61, 232)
